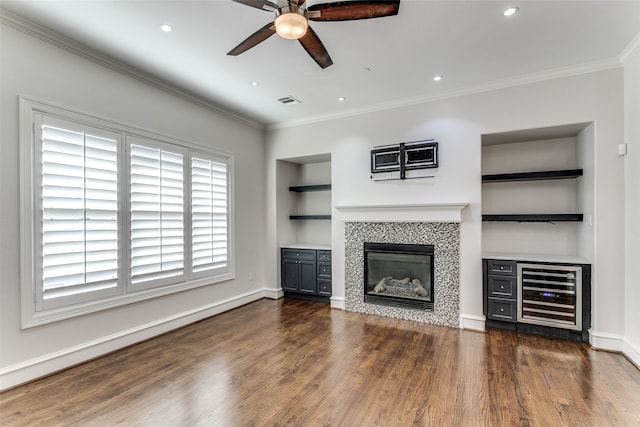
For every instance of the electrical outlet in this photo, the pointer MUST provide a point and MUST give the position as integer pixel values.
(622, 149)
(251, 276)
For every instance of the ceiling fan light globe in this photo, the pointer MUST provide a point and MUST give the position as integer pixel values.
(291, 25)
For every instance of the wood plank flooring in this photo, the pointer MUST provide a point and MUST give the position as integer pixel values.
(299, 363)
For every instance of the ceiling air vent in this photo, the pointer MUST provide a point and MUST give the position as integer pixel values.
(289, 100)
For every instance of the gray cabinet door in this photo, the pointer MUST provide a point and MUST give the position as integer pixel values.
(290, 275)
(307, 277)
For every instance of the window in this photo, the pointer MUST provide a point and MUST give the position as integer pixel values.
(113, 215)
(157, 214)
(78, 240)
(209, 215)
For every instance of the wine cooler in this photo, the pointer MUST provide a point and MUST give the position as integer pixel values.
(550, 295)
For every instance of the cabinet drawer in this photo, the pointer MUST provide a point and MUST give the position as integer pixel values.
(324, 270)
(502, 309)
(324, 256)
(308, 254)
(502, 287)
(507, 268)
(324, 288)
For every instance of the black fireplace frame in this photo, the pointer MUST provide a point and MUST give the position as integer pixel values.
(394, 301)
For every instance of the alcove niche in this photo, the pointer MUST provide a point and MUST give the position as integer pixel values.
(537, 193)
(303, 188)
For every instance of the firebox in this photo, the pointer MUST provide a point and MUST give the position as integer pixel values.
(399, 275)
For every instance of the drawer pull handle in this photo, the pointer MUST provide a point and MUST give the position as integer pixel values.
(501, 268)
(501, 287)
(502, 309)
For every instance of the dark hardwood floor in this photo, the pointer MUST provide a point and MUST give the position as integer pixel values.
(299, 363)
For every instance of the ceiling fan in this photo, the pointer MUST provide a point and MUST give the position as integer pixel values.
(292, 22)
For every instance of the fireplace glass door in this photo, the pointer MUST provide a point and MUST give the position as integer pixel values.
(399, 275)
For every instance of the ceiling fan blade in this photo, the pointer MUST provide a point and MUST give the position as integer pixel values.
(352, 10)
(259, 4)
(314, 47)
(258, 37)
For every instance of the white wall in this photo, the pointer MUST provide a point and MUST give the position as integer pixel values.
(287, 176)
(458, 124)
(37, 69)
(632, 196)
(586, 192)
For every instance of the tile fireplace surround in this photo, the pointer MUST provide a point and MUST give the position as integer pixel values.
(436, 225)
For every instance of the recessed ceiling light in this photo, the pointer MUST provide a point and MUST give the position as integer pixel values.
(166, 28)
(510, 11)
(437, 78)
(254, 83)
(342, 98)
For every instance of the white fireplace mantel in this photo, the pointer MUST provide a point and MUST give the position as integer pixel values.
(432, 212)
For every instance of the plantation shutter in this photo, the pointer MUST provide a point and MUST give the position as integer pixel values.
(157, 214)
(209, 215)
(79, 209)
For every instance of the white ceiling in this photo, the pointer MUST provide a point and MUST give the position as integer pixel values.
(378, 63)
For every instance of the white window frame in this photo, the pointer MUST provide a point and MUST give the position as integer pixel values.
(33, 311)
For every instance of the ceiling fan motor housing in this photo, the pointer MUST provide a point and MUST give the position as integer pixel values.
(291, 22)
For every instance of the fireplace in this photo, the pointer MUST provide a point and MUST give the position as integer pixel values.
(399, 275)
(426, 225)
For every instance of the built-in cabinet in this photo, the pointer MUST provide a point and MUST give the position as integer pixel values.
(537, 213)
(306, 272)
(299, 271)
(324, 273)
(551, 299)
(501, 290)
(304, 226)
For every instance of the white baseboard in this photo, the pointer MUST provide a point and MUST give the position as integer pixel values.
(30, 370)
(606, 341)
(632, 351)
(337, 302)
(475, 323)
(273, 293)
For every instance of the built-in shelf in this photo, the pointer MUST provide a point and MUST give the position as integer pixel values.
(533, 176)
(534, 217)
(307, 188)
(309, 217)
(303, 188)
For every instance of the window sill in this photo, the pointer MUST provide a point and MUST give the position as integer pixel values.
(33, 319)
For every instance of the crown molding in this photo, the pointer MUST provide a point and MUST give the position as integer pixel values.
(632, 49)
(55, 39)
(553, 74)
(34, 30)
